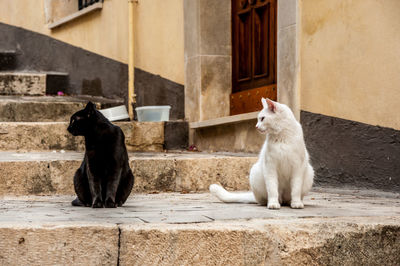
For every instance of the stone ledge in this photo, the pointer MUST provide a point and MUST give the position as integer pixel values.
(78, 14)
(39, 136)
(52, 173)
(47, 108)
(224, 120)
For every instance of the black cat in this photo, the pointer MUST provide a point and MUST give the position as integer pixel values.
(104, 177)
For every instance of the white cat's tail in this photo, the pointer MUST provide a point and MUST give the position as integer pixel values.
(226, 196)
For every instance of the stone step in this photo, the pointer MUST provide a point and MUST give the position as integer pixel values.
(344, 228)
(8, 60)
(46, 108)
(38, 136)
(32, 83)
(52, 173)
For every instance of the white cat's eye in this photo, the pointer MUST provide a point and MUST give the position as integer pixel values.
(262, 118)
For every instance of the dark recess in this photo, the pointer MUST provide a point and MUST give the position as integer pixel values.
(176, 135)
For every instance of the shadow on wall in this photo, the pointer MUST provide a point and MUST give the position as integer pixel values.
(89, 73)
(155, 90)
(349, 153)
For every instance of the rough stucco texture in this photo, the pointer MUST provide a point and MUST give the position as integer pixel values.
(345, 152)
(155, 90)
(159, 41)
(350, 60)
(89, 73)
(103, 32)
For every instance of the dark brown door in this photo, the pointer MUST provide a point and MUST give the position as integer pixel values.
(253, 54)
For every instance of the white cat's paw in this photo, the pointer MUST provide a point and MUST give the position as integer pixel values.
(297, 205)
(214, 188)
(274, 205)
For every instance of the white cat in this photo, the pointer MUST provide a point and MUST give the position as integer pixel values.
(282, 174)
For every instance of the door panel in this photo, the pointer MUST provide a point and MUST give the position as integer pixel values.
(253, 52)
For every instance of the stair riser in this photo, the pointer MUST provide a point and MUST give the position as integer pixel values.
(59, 245)
(38, 112)
(151, 175)
(250, 243)
(36, 84)
(23, 84)
(54, 136)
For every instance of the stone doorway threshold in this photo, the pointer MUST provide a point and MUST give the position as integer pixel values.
(223, 120)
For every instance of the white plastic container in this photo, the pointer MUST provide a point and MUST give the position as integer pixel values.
(115, 113)
(153, 113)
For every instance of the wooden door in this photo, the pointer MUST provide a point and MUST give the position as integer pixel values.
(253, 54)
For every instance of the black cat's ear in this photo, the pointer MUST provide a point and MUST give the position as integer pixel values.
(90, 108)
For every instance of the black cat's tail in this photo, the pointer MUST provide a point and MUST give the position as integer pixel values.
(77, 202)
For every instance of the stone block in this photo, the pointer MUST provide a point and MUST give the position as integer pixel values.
(153, 174)
(22, 84)
(287, 13)
(238, 137)
(192, 88)
(264, 242)
(31, 111)
(288, 69)
(215, 86)
(191, 28)
(24, 136)
(36, 136)
(215, 27)
(58, 244)
(52, 173)
(143, 136)
(197, 174)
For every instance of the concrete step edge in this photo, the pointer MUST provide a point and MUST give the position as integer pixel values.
(41, 136)
(52, 173)
(306, 241)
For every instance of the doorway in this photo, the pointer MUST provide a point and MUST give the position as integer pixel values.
(254, 55)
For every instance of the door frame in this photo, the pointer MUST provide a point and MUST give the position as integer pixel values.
(208, 57)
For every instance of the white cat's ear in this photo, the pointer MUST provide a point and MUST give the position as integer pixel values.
(264, 103)
(271, 105)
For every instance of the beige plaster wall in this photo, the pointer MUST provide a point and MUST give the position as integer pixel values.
(350, 60)
(104, 32)
(158, 30)
(159, 38)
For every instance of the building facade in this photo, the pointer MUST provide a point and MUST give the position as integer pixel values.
(336, 64)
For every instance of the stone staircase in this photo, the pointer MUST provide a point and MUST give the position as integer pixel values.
(170, 219)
